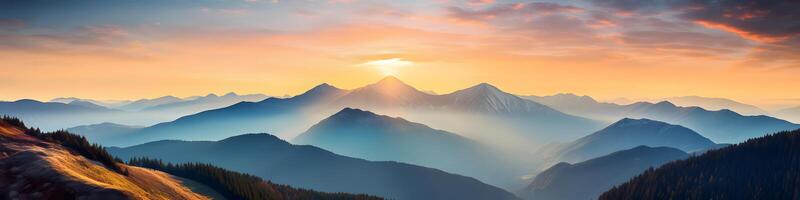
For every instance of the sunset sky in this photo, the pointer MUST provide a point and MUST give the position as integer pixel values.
(743, 50)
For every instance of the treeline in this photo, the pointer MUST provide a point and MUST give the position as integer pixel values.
(762, 168)
(235, 185)
(74, 142)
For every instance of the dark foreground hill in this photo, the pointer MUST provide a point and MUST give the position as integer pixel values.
(762, 168)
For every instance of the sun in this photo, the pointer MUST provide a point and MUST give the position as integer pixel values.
(389, 66)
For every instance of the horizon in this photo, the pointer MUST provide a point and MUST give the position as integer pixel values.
(616, 100)
(606, 50)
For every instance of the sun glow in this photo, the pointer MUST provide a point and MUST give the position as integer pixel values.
(388, 67)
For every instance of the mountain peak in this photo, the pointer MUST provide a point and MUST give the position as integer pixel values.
(352, 113)
(391, 84)
(321, 90)
(665, 104)
(390, 79)
(27, 101)
(231, 94)
(630, 121)
(486, 86)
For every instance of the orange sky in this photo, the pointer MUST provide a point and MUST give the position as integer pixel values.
(560, 51)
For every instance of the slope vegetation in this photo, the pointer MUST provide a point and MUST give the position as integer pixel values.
(761, 168)
(33, 168)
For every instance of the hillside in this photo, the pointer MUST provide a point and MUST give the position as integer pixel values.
(760, 168)
(310, 167)
(32, 168)
(588, 179)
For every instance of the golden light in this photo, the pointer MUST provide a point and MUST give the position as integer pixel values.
(389, 66)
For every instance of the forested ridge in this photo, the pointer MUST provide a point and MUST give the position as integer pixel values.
(235, 185)
(761, 168)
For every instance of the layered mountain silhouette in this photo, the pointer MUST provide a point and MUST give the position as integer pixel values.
(363, 134)
(760, 168)
(311, 167)
(272, 114)
(107, 133)
(792, 114)
(208, 102)
(476, 111)
(53, 116)
(589, 179)
(33, 168)
(146, 103)
(628, 133)
(104, 103)
(722, 126)
(709, 103)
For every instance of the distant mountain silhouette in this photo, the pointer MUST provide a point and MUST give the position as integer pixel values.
(709, 103)
(208, 102)
(723, 126)
(311, 167)
(760, 168)
(107, 133)
(475, 112)
(272, 114)
(792, 114)
(87, 104)
(588, 179)
(52, 115)
(146, 103)
(363, 134)
(628, 133)
(104, 103)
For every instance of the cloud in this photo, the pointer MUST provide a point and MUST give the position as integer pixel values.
(761, 21)
(531, 9)
(11, 24)
(772, 26)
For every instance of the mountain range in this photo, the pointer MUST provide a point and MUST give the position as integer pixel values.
(104, 103)
(62, 113)
(53, 115)
(628, 133)
(473, 112)
(305, 166)
(760, 168)
(363, 134)
(709, 103)
(722, 126)
(589, 179)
